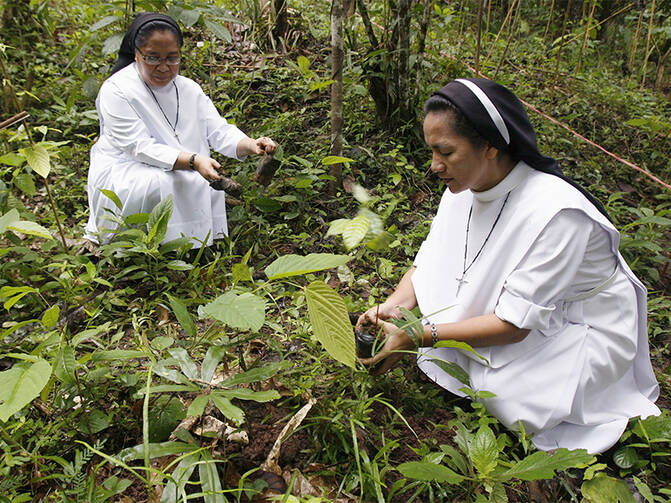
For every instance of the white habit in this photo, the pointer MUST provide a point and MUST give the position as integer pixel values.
(551, 265)
(137, 149)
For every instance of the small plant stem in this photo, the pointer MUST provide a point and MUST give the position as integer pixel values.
(547, 27)
(561, 45)
(632, 54)
(145, 432)
(53, 208)
(84, 410)
(496, 39)
(584, 40)
(479, 34)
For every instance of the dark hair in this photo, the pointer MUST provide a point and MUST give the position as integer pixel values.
(146, 30)
(461, 125)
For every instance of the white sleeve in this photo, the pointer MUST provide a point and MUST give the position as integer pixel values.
(546, 273)
(221, 136)
(126, 131)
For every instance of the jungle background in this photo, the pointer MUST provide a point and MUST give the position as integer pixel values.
(143, 371)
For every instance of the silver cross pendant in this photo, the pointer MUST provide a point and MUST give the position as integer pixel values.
(461, 281)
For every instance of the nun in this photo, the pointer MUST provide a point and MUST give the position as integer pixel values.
(157, 129)
(522, 263)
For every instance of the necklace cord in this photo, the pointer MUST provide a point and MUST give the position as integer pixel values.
(174, 128)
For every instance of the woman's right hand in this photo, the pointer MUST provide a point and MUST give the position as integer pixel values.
(207, 167)
(382, 311)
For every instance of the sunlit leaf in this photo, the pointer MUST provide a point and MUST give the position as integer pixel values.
(157, 450)
(198, 405)
(210, 481)
(186, 364)
(248, 394)
(157, 225)
(112, 44)
(483, 451)
(211, 361)
(50, 316)
(101, 23)
(219, 31)
(254, 375)
(8, 218)
(30, 228)
(229, 410)
(335, 159)
(295, 265)
(330, 322)
(65, 364)
(244, 312)
(20, 385)
(112, 195)
(355, 231)
(37, 158)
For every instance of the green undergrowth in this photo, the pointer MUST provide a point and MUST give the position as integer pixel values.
(105, 355)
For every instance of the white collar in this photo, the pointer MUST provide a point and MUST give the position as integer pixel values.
(511, 180)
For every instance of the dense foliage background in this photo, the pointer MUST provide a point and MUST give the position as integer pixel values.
(106, 353)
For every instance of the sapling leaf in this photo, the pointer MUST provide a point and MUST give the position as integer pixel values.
(210, 481)
(330, 322)
(244, 312)
(254, 375)
(336, 159)
(183, 316)
(605, 489)
(180, 477)
(212, 358)
(186, 364)
(541, 465)
(229, 410)
(219, 31)
(423, 470)
(37, 158)
(454, 370)
(625, 457)
(248, 394)
(65, 364)
(6, 219)
(460, 345)
(355, 231)
(296, 265)
(113, 197)
(156, 450)
(483, 451)
(21, 384)
(157, 225)
(50, 316)
(112, 43)
(198, 405)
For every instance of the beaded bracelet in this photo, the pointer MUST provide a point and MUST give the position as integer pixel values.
(434, 334)
(191, 159)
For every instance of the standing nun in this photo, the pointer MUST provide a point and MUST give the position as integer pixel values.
(156, 132)
(523, 264)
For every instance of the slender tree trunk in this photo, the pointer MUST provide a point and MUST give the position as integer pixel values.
(584, 40)
(659, 80)
(634, 46)
(547, 27)
(503, 26)
(424, 28)
(647, 43)
(337, 57)
(561, 45)
(404, 93)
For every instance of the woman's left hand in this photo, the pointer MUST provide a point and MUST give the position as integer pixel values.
(397, 341)
(260, 146)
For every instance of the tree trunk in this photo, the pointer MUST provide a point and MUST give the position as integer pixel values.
(281, 20)
(337, 57)
(404, 94)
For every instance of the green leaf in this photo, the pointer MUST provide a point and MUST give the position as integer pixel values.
(625, 457)
(454, 370)
(219, 31)
(423, 470)
(180, 477)
(360, 194)
(13, 294)
(605, 489)
(244, 312)
(210, 481)
(112, 44)
(483, 451)
(37, 158)
(183, 316)
(50, 316)
(162, 342)
(189, 17)
(157, 225)
(211, 361)
(335, 159)
(155, 451)
(118, 355)
(165, 414)
(179, 265)
(112, 195)
(330, 322)
(303, 64)
(20, 385)
(30, 228)
(540, 465)
(248, 394)
(644, 490)
(229, 410)
(355, 231)
(254, 375)
(295, 265)
(94, 421)
(25, 183)
(101, 23)
(241, 272)
(198, 405)
(65, 364)
(459, 345)
(12, 159)
(6, 219)
(186, 364)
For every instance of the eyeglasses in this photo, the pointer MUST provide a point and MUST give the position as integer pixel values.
(155, 60)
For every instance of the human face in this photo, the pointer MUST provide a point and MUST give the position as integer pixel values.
(162, 44)
(456, 160)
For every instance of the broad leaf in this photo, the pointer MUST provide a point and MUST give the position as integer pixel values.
(330, 322)
(179, 265)
(453, 369)
(180, 477)
(605, 489)
(625, 457)
(183, 316)
(423, 470)
(210, 481)
(103, 22)
(94, 421)
(65, 364)
(355, 231)
(244, 312)
(460, 345)
(50, 316)
(118, 354)
(165, 414)
(6, 219)
(157, 225)
(20, 385)
(219, 31)
(112, 44)
(483, 451)
(189, 17)
(30, 228)
(198, 405)
(295, 265)
(254, 375)
(229, 410)
(212, 358)
(186, 364)
(37, 158)
(335, 159)
(248, 394)
(540, 465)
